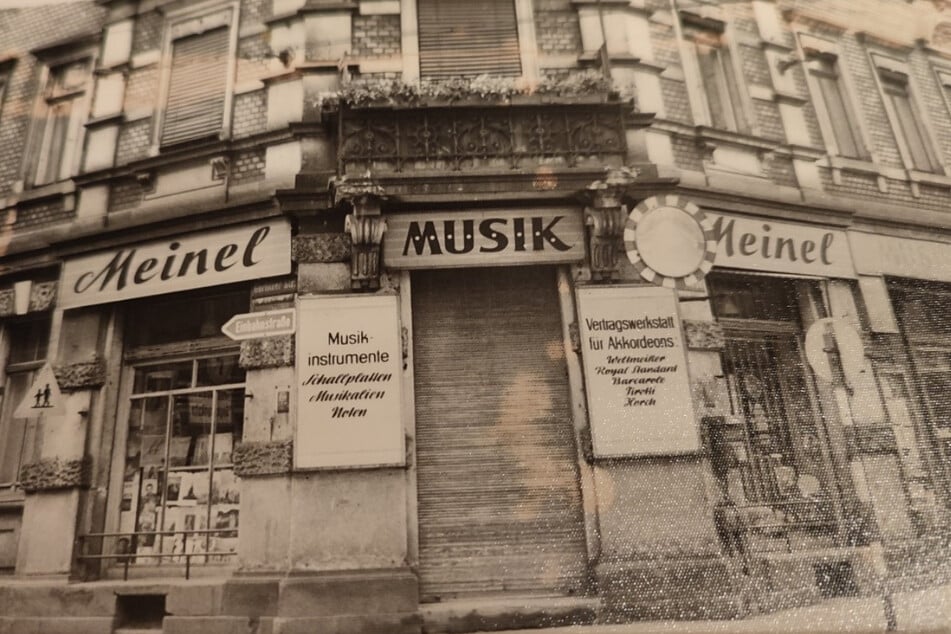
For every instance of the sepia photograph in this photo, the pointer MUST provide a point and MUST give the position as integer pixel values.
(468, 316)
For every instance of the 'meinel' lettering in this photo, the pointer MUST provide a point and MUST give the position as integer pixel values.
(124, 268)
(767, 246)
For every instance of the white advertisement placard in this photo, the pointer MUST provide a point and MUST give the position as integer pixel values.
(635, 367)
(349, 360)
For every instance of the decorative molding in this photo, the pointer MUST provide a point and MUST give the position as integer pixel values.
(80, 376)
(42, 298)
(321, 248)
(607, 217)
(262, 458)
(703, 335)
(366, 234)
(7, 302)
(267, 352)
(51, 474)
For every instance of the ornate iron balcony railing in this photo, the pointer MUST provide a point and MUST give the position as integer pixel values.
(479, 137)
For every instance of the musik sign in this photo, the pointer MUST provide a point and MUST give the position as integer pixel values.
(493, 237)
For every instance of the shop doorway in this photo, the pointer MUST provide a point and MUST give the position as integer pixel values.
(498, 483)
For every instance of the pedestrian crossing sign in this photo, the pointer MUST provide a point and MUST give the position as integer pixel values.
(43, 398)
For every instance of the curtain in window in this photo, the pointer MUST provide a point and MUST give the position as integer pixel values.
(468, 37)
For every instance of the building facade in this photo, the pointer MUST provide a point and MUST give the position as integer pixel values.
(406, 315)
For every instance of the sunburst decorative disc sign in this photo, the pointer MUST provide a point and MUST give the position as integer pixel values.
(670, 241)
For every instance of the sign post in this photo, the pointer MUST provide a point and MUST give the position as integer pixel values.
(43, 398)
(264, 324)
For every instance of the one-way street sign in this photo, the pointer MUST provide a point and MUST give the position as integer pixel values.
(269, 323)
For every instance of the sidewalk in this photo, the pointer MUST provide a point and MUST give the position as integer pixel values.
(926, 610)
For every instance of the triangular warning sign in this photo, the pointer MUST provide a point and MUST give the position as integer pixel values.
(43, 398)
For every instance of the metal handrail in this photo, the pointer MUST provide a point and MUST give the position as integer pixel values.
(126, 557)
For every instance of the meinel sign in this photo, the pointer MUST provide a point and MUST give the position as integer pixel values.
(177, 264)
(483, 237)
(766, 245)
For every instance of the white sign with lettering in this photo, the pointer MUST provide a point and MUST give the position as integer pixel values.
(635, 367)
(480, 238)
(785, 247)
(195, 260)
(349, 362)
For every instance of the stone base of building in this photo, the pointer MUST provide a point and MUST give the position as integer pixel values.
(681, 589)
(779, 581)
(489, 614)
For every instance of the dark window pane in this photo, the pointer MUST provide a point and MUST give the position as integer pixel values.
(28, 340)
(219, 371)
(163, 377)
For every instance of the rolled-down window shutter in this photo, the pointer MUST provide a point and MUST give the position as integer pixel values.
(468, 37)
(196, 90)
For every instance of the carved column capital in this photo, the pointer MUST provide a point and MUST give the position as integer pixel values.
(365, 225)
(606, 217)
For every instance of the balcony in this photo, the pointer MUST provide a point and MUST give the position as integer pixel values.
(520, 134)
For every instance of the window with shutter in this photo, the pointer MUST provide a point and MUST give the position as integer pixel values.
(58, 126)
(718, 78)
(467, 38)
(906, 121)
(197, 87)
(832, 97)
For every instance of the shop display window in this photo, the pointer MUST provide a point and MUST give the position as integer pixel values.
(185, 414)
(771, 458)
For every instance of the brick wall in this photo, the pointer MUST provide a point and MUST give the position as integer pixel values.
(376, 35)
(147, 32)
(248, 167)
(134, 140)
(22, 30)
(250, 113)
(556, 27)
(41, 213)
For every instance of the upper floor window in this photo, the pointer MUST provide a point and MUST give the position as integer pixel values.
(198, 76)
(468, 37)
(906, 119)
(837, 118)
(718, 88)
(58, 122)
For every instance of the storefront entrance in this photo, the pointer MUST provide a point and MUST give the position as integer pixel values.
(499, 499)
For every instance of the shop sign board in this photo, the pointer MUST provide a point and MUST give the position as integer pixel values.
(197, 260)
(635, 367)
(349, 362)
(480, 238)
(901, 257)
(785, 247)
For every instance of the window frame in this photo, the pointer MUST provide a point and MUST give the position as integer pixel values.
(138, 355)
(36, 158)
(524, 23)
(9, 491)
(193, 20)
(733, 91)
(885, 69)
(814, 51)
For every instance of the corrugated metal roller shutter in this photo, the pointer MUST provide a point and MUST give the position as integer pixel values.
(499, 499)
(196, 89)
(468, 37)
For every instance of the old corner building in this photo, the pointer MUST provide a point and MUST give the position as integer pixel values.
(418, 316)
